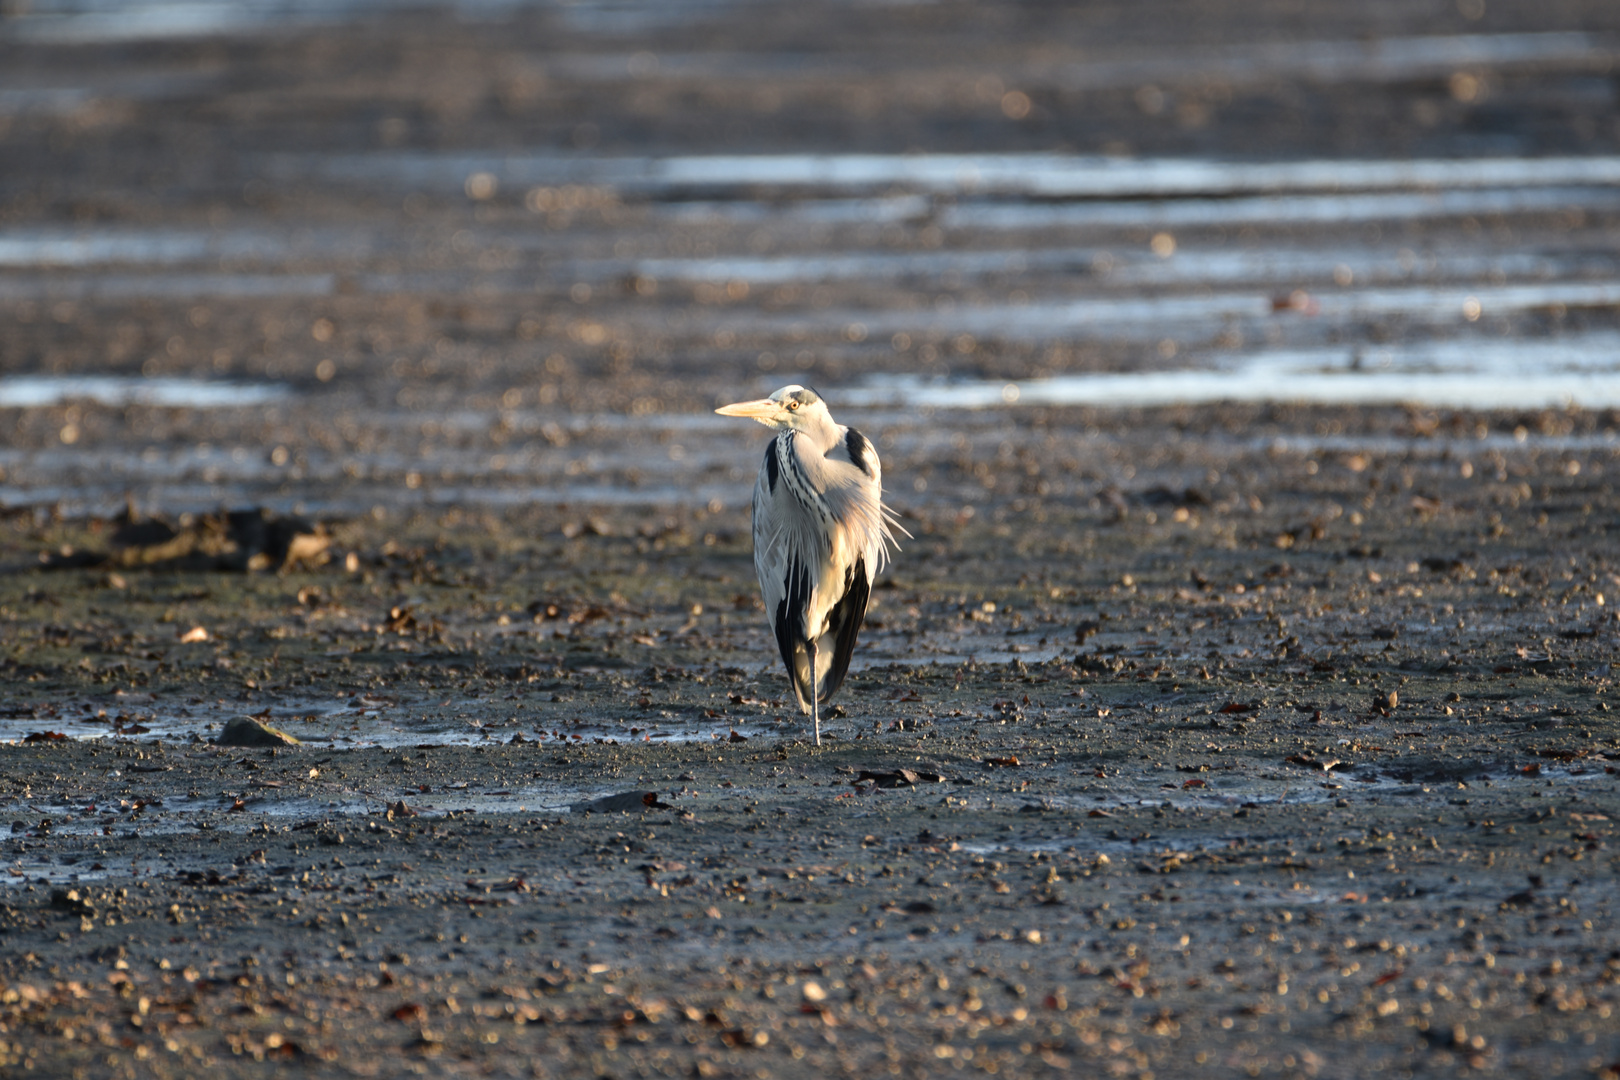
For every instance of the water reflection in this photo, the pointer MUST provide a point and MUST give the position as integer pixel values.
(1472, 374)
(35, 391)
(1196, 316)
(1038, 175)
(1274, 264)
(1376, 60)
(1276, 210)
(82, 22)
(80, 247)
(134, 286)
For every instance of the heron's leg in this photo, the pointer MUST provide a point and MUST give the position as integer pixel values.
(815, 704)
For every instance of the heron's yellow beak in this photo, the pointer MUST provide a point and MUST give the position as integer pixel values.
(763, 410)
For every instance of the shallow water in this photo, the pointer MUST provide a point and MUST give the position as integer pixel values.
(1039, 175)
(1277, 210)
(38, 391)
(700, 460)
(1042, 271)
(1065, 176)
(181, 287)
(44, 99)
(1369, 61)
(76, 247)
(86, 22)
(1196, 319)
(322, 723)
(1115, 268)
(1491, 374)
(44, 391)
(1378, 60)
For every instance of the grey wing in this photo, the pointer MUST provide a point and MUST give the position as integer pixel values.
(853, 484)
(850, 480)
(785, 570)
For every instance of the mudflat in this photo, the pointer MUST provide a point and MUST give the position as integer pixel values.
(1305, 768)
(1238, 705)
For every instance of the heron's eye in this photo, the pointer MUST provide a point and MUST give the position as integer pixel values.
(793, 406)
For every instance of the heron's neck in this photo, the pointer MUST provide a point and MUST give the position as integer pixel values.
(823, 435)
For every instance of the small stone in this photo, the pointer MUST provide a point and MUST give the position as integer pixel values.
(246, 731)
(629, 802)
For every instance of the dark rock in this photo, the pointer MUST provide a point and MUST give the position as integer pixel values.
(629, 802)
(246, 731)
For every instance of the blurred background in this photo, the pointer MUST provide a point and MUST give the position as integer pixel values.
(365, 258)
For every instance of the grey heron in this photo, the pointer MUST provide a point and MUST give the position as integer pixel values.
(821, 534)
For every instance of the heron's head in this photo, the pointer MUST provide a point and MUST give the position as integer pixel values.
(792, 408)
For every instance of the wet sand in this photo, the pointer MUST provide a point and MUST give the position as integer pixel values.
(1261, 732)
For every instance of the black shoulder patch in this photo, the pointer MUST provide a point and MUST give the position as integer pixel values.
(773, 468)
(859, 449)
